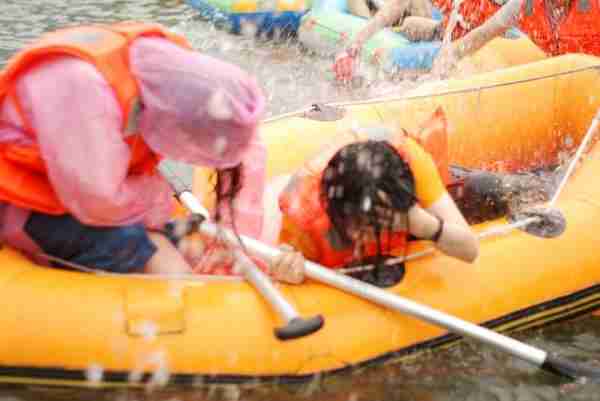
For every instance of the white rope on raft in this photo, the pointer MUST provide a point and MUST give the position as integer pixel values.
(588, 137)
(489, 233)
(492, 232)
(305, 110)
(166, 277)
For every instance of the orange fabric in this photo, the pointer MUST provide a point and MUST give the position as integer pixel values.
(23, 179)
(473, 12)
(306, 225)
(579, 31)
(429, 185)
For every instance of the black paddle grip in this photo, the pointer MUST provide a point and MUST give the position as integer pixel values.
(562, 367)
(299, 327)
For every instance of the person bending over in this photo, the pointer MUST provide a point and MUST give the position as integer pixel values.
(86, 114)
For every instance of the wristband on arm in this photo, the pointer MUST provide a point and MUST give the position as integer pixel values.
(436, 236)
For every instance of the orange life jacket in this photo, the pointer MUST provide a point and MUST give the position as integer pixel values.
(471, 14)
(578, 32)
(300, 201)
(23, 176)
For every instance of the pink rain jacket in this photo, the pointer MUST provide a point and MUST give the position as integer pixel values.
(78, 124)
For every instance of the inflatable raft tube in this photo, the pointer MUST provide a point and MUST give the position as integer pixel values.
(262, 17)
(329, 27)
(64, 327)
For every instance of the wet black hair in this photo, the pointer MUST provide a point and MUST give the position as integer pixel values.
(352, 184)
(227, 185)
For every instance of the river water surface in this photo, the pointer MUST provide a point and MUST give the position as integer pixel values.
(294, 79)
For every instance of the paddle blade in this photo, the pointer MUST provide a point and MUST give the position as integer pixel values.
(562, 367)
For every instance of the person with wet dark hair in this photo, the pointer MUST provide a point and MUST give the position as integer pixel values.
(370, 190)
(361, 204)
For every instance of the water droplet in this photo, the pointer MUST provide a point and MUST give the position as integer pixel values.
(218, 106)
(366, 204)
(232, 358)
(231, 392)
(148, 330)
(176, 288)
(94, 373)
(329, 174)
(248, 29)
(377, 171)
(364, 160)
(135, 375)
(226, 46)
(237, 269)
(569, 141)
(220, 145)
(160, 377)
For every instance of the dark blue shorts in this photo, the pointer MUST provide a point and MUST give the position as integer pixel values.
(124, 249)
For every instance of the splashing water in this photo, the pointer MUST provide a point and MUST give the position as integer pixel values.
(94, 373)
(248, 29)
(157, 363)
(148, 330)
(295, 78)
(220, 145)
(218, 106)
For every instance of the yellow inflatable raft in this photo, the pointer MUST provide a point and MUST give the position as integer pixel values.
(64, 327)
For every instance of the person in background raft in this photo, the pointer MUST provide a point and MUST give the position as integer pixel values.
(556, 26)
(86, 114)
(412, 18)
(362, 197)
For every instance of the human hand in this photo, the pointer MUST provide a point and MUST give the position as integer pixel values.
(344, 64)
(288, 267)
(418, 29)
(445, 61)
(214, 257)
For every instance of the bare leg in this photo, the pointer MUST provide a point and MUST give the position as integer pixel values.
(359, 7)
(167, 259)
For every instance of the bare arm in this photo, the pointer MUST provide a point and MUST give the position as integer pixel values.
(359, 7)
(500, 22)
(456, 239)
(446, 209)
